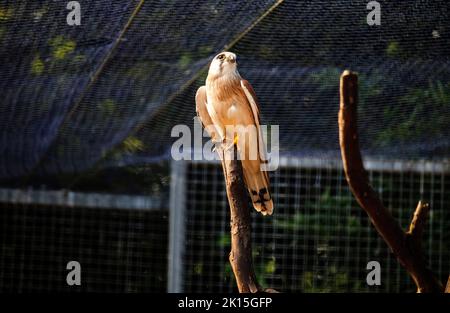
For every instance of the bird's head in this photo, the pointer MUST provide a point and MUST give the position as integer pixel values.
(223, 64)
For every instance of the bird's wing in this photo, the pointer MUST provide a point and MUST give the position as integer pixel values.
(256, 180)
(251, 97)
(202, 112)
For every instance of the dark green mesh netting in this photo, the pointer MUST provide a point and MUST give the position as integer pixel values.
(109, 91)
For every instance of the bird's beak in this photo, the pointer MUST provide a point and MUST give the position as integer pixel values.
(231, 59)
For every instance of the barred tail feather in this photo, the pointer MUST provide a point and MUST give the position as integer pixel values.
(257, 183)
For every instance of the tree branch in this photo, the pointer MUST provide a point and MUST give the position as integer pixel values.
(417, 224)
(405, 246)
(241, 258)
(240, 221)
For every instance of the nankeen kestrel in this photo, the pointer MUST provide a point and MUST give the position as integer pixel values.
(228, 100)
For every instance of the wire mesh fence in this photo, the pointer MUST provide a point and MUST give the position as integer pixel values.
(319, 239)
(119, 249)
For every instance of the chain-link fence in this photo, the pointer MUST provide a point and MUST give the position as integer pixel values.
(120, 242)
(319, 239)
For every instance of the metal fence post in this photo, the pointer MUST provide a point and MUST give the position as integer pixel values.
(176, 226)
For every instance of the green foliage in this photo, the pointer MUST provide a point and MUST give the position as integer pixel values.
(107, 107)
(266, 52)
(318, 219)
(5, 14)
(79, 58)
(426, 118)
(260, 273)
(224, 240)
(37, 66)
(228, 273)
(422, 111)
(140, 70)
(185, 61)
(61, 47)
(39, 14)
(326, 78)
(336, 280)
(371, 86)
(198, 268)
(205, 50)
(270, 266)
(328, 201)
(393, 49)
(132, 145)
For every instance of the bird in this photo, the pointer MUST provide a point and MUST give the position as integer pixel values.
(225, 100)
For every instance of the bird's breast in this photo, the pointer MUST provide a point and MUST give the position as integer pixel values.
(228, 101)
(232, 111)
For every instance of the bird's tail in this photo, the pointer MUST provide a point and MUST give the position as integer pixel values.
(257, 183)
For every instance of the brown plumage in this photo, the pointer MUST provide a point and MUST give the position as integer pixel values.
(228, 100)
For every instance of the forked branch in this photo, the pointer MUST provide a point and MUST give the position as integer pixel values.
(405, 245)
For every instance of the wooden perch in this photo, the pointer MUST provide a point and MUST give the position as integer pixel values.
(405, 246)
(240, 221)
(241, 258)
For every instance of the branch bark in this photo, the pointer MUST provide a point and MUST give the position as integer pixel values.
(241, 258)
(240, 221)
(405, 246)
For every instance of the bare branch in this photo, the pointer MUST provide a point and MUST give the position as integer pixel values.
(241, 244)
(402, 244)
(418, 223)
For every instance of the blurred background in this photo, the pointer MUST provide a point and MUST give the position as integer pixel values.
(86, 114)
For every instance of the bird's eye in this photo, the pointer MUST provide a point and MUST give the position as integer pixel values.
(221, 57)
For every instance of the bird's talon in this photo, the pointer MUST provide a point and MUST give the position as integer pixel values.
(236, 138)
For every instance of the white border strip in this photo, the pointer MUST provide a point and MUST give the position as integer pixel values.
(67, 198)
